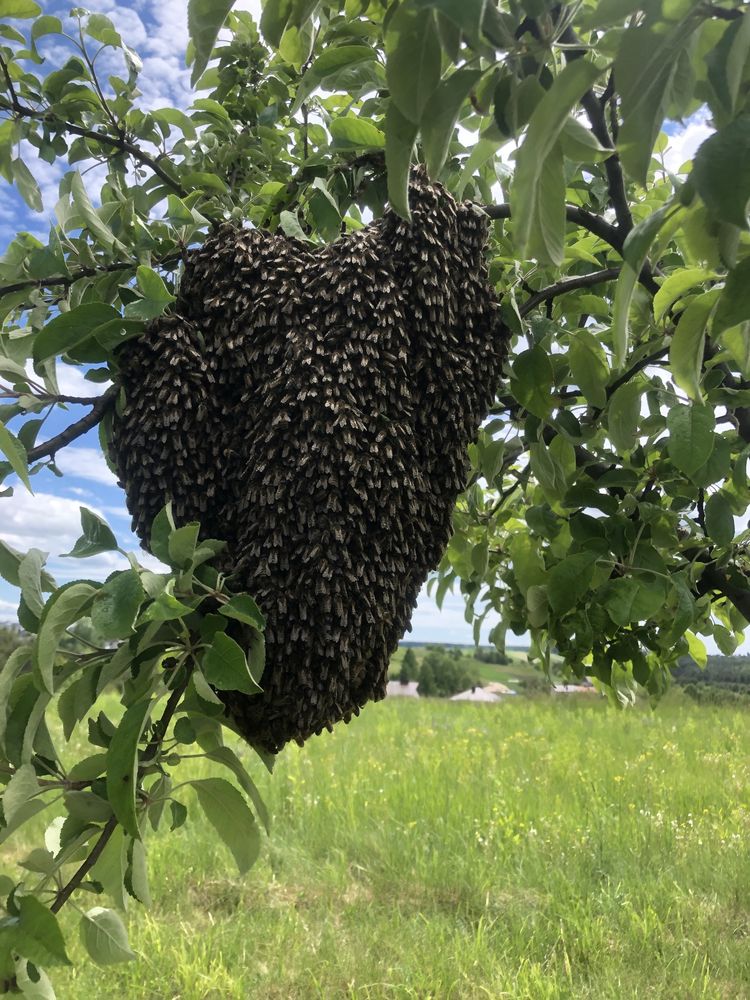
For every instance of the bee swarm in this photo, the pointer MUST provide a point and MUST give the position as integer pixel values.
(312, 405)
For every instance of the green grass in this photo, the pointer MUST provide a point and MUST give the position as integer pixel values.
(534, 849)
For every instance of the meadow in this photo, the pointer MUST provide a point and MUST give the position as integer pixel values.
(545, 848)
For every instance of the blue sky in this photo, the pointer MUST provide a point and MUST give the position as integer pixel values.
(49, 519)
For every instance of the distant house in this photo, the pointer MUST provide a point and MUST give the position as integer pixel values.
(399, 690)
(477, 694)
(573, 689)
(495, 687)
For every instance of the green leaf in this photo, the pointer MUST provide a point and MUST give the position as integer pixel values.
(162, 527)
(15, 452)
(291, 226)
(138, 872)
(623, 416)
(479, 155)
(39, 937)
(691, 436)
(589, 368)
(635, 252)
(413, 60)
(63, 608)
(686, 347)
(696, 649)
(546, 123)
(569, 580)
(33, 982)
(19, 8)
(467, 14)
(620, 598)
(229, 815)
(719, 519)
(122, 765)
(181, 546)
(70, 329)
(441, 114)
(104, 937)
(400, 136)
(244, 609)
(227, 757)
(165, 608)
(27, 185)
(328, 65)
(22, 786)
(681, 281)
(351, 132)
(99, 27)
(90, 216)
(152, 285)
(30, 578)
(116, 605)
(532, 378)
(580, 144)
(721, 172)
(644, 68)
(97, 537)
(548, 470)
(547, 236)
(225, 666)
(726, 62)
(279, 14)
(734, 304)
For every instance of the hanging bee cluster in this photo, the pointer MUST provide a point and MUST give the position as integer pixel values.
(312, 405)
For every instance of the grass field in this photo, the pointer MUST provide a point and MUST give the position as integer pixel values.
(533, 849)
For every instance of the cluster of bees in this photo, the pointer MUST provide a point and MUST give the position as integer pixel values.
(312, 405)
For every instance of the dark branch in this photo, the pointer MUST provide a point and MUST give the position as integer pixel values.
(722, 13)
(594, 224)
(66, 280)
(595, 113)
(76, 430)
(579, 216)
(120, 143)
(569, 285)
(713, 578)
(67, 890)
(637, 367)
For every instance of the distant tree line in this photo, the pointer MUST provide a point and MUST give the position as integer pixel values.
(724, 680)
(441, 673)
(11, 637)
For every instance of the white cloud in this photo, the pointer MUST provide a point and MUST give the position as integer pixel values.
(684, 142)
(85, 463)
(52, 524)
(433, 624)
(8, 611)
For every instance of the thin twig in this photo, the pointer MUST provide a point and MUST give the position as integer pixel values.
(77, 429)
(569, 285)
(594, 224)
(96, 851)
(595, 113)
(66, 280)
(15, 107)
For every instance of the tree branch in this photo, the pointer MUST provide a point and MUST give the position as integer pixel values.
(15, 107)
(723, 14)
(76, 429)
(594, 224)
(569, 285)
(66, 280)
(595, 113)
(96, 851)
(579, 216)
